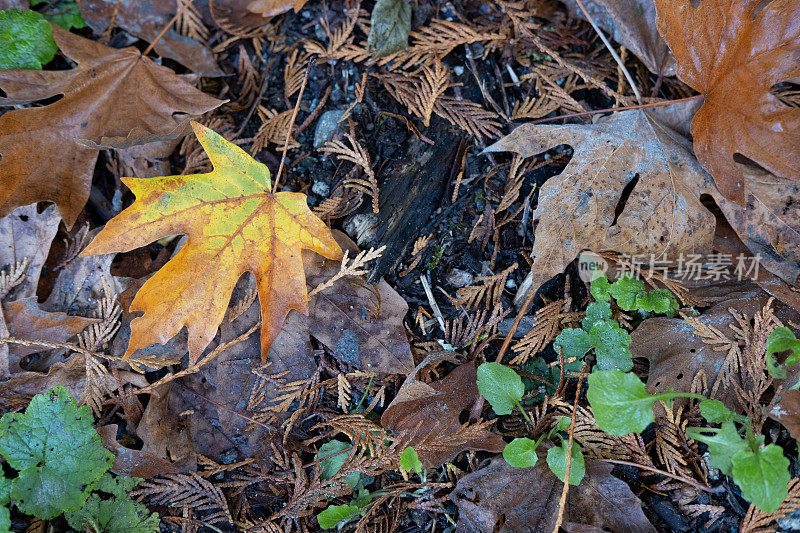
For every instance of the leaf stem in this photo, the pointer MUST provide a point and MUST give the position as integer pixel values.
(524, 414)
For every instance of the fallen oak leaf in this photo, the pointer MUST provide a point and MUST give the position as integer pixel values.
(733, 52)
(235, 224)
(271, 8)
(109, 94)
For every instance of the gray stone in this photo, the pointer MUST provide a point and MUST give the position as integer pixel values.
(326, 125)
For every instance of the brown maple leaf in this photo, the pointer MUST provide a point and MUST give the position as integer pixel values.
(113, 98)
(734, 51)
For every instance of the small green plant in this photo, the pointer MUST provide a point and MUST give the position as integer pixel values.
(521, 453)
(62, 468)
(338, 515)
(65, 13)
(27, 40)
(409, 461)
(782, 340)
(601, 333)
(502, 387)
(332, 455)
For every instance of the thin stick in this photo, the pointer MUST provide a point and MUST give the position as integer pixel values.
(515, 325)
(655, 470)
(45, 344)
(167, 27)
(614, 109)
(291, 125)
(611, 49)
(562, 502)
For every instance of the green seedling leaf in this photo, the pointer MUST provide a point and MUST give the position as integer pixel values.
(501, 386)
(611, 346)
(27, 40)
(781, 340)
(657, 301)
(390, 26)
(5, 489)
(574, 342)
(763, 475)
(119, 514)
(723, 444)
(620, 403)
(601, 288)
(596, 312)
(562, 424)
(521, 452)
(332, 456)
(625, 290)
(5, 519)
(334, 514)
(57, 452)
(715, 412)
(409, 461)
(65, 13)
(557, 461)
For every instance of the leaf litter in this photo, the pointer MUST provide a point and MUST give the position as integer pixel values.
(316, 424)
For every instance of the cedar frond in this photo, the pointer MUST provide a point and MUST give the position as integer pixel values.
(463, 334)
(469, 116)
(347, 267)
(435, 81)
(355, 153)
(12, 277)
(341, 203)
(344, 392)
(514, 183)
(188, 492)
(757, 521)
(73, 246)
(189, 22)
(274, 127)
(363, 432)
(441, 37)
(490, 290)
(248, 79)
(294, 72)
(545, 328)
(672, 446)
(533, 107)
(416, 253)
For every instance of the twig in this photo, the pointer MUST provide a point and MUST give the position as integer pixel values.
(315, 113)
(291, 125)
(436, 311)
(515, 325)
(261, 92)
(615, 109)
(183, 8)
(611, 49)
(655, 470)
(562, 502)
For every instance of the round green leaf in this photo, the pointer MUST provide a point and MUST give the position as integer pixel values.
(521, 453)
(557, 461)
(501, 386)
(27, 40)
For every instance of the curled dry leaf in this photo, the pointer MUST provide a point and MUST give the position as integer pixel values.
(662, 214)
(26, 233)
(502, 498)
(427, 416)
(235, 224)
(146, 19)
(110, 93)
(734, 52)
(632, 24)
(132, 462)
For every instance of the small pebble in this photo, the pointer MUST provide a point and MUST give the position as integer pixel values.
(320, 188)
(459, 278)
(459, 70)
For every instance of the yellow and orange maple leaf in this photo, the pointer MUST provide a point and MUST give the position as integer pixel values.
(234, 223)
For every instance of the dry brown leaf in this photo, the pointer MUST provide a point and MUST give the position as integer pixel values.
(26, 320)
(632, 24)
(270, 8)
(110, 93)
(677, 351)
(733, 52)
(132, 462)
(662, 215)
(787, 412)
(502, 499)
(146, 19)
(428, 415)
